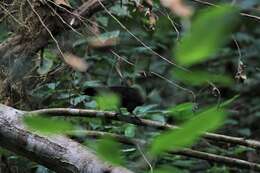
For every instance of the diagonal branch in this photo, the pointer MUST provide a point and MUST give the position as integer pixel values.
(184, 152)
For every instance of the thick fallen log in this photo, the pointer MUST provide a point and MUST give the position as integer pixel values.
(58, 153)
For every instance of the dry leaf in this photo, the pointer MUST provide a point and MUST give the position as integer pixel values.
(98, 43)
(152, 21)
(75, 62)
(178, 7)
(241, 72)
(62, 2)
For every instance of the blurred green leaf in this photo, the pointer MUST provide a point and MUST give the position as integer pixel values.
(109, 150)
(107, 101)
(229, 101)
(208, 33)
(130, 130)
(168, 170)
(201, 77)
(189, 132)
(47, 125)
(182, 107)
(182, 111)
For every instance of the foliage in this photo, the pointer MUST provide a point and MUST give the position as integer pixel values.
(189, 132)
(166, 57)
(107, 101)
(105, 149)
(46, 125)
(222, 21)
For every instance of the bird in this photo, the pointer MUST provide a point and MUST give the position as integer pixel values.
(131, 97)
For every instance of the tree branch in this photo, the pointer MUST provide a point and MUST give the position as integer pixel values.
(141, 122)
(184, 152)
(58, 153)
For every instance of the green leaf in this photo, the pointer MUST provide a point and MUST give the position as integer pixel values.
(208, 33)
(120, 10)
(182, 107)
(185, 136)
(130, 131)
(229, 101)
(3, 33)
(103, 20)
(45, 67)
(182, 111)
(168, 170)
(108, 149)
(144, 109)
(48, 54)
(107, 101)
(200, 77)
(47, 125)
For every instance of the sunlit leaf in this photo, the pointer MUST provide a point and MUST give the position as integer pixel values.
(189, 132)
(182, 111)
(107, 101)
(202, 77)
(109, 150)
(209, 31)
(47, 125)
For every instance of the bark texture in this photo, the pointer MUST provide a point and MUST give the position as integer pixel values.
(58, 153)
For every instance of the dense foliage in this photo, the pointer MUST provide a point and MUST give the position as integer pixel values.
(200, 72)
